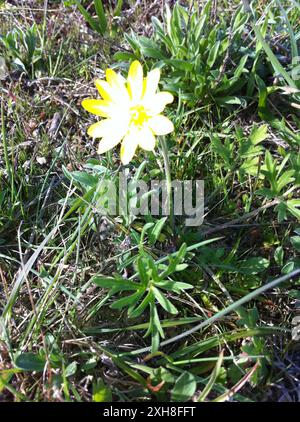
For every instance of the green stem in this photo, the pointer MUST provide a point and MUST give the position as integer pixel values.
(170, 209)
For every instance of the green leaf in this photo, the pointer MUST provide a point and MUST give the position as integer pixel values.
(181, 267)
(142, 306)
(223, 150)
(180, 64)
(285, 179)
(91, 21)
(153, 270)
(164, 302)
(289, 267)
(253, 265)
(175, 286)
(71, 369)
(279, 255)
(295, 294)
(161, 33)
(153, 53)
(150, 48)
(127, 301)
(184, 388)
(231, 100)
(258, 134)
(154, 320)
(101, 392)
(84, 178)
(241, 67)
(174, 261)
(124, 56)
(155, 340)
(142, 270)
(155, 232)
(295, 241)
(213, 54)
(267, 193)
(6, 375)
(181, 253)
(270, 163)
(111, 282)
(281, 210)
(292, 206)
(30, 362)
(249, 166)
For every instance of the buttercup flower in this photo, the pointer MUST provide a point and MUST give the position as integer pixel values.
(132, 110)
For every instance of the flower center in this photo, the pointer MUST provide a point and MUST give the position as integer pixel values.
(138, 115)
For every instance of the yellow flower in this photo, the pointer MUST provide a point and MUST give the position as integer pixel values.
(132, 109)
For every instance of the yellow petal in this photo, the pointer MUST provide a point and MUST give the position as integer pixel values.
(152, 81)
(112, 77)
(101, 129)
(135, 80)
(104, 89)
(144, 87)
(157, 102)
(161, 125)
(166, 97)
(117, 83)
(98, 107)
(147, 139)
(108, 143)
(129, 146)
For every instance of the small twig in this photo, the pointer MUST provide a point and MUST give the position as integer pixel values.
(238, 385)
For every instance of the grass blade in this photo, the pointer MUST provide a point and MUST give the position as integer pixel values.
(212, 380)
(101, 16)
(273, 59)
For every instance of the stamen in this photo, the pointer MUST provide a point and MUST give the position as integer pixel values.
(138, 115)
